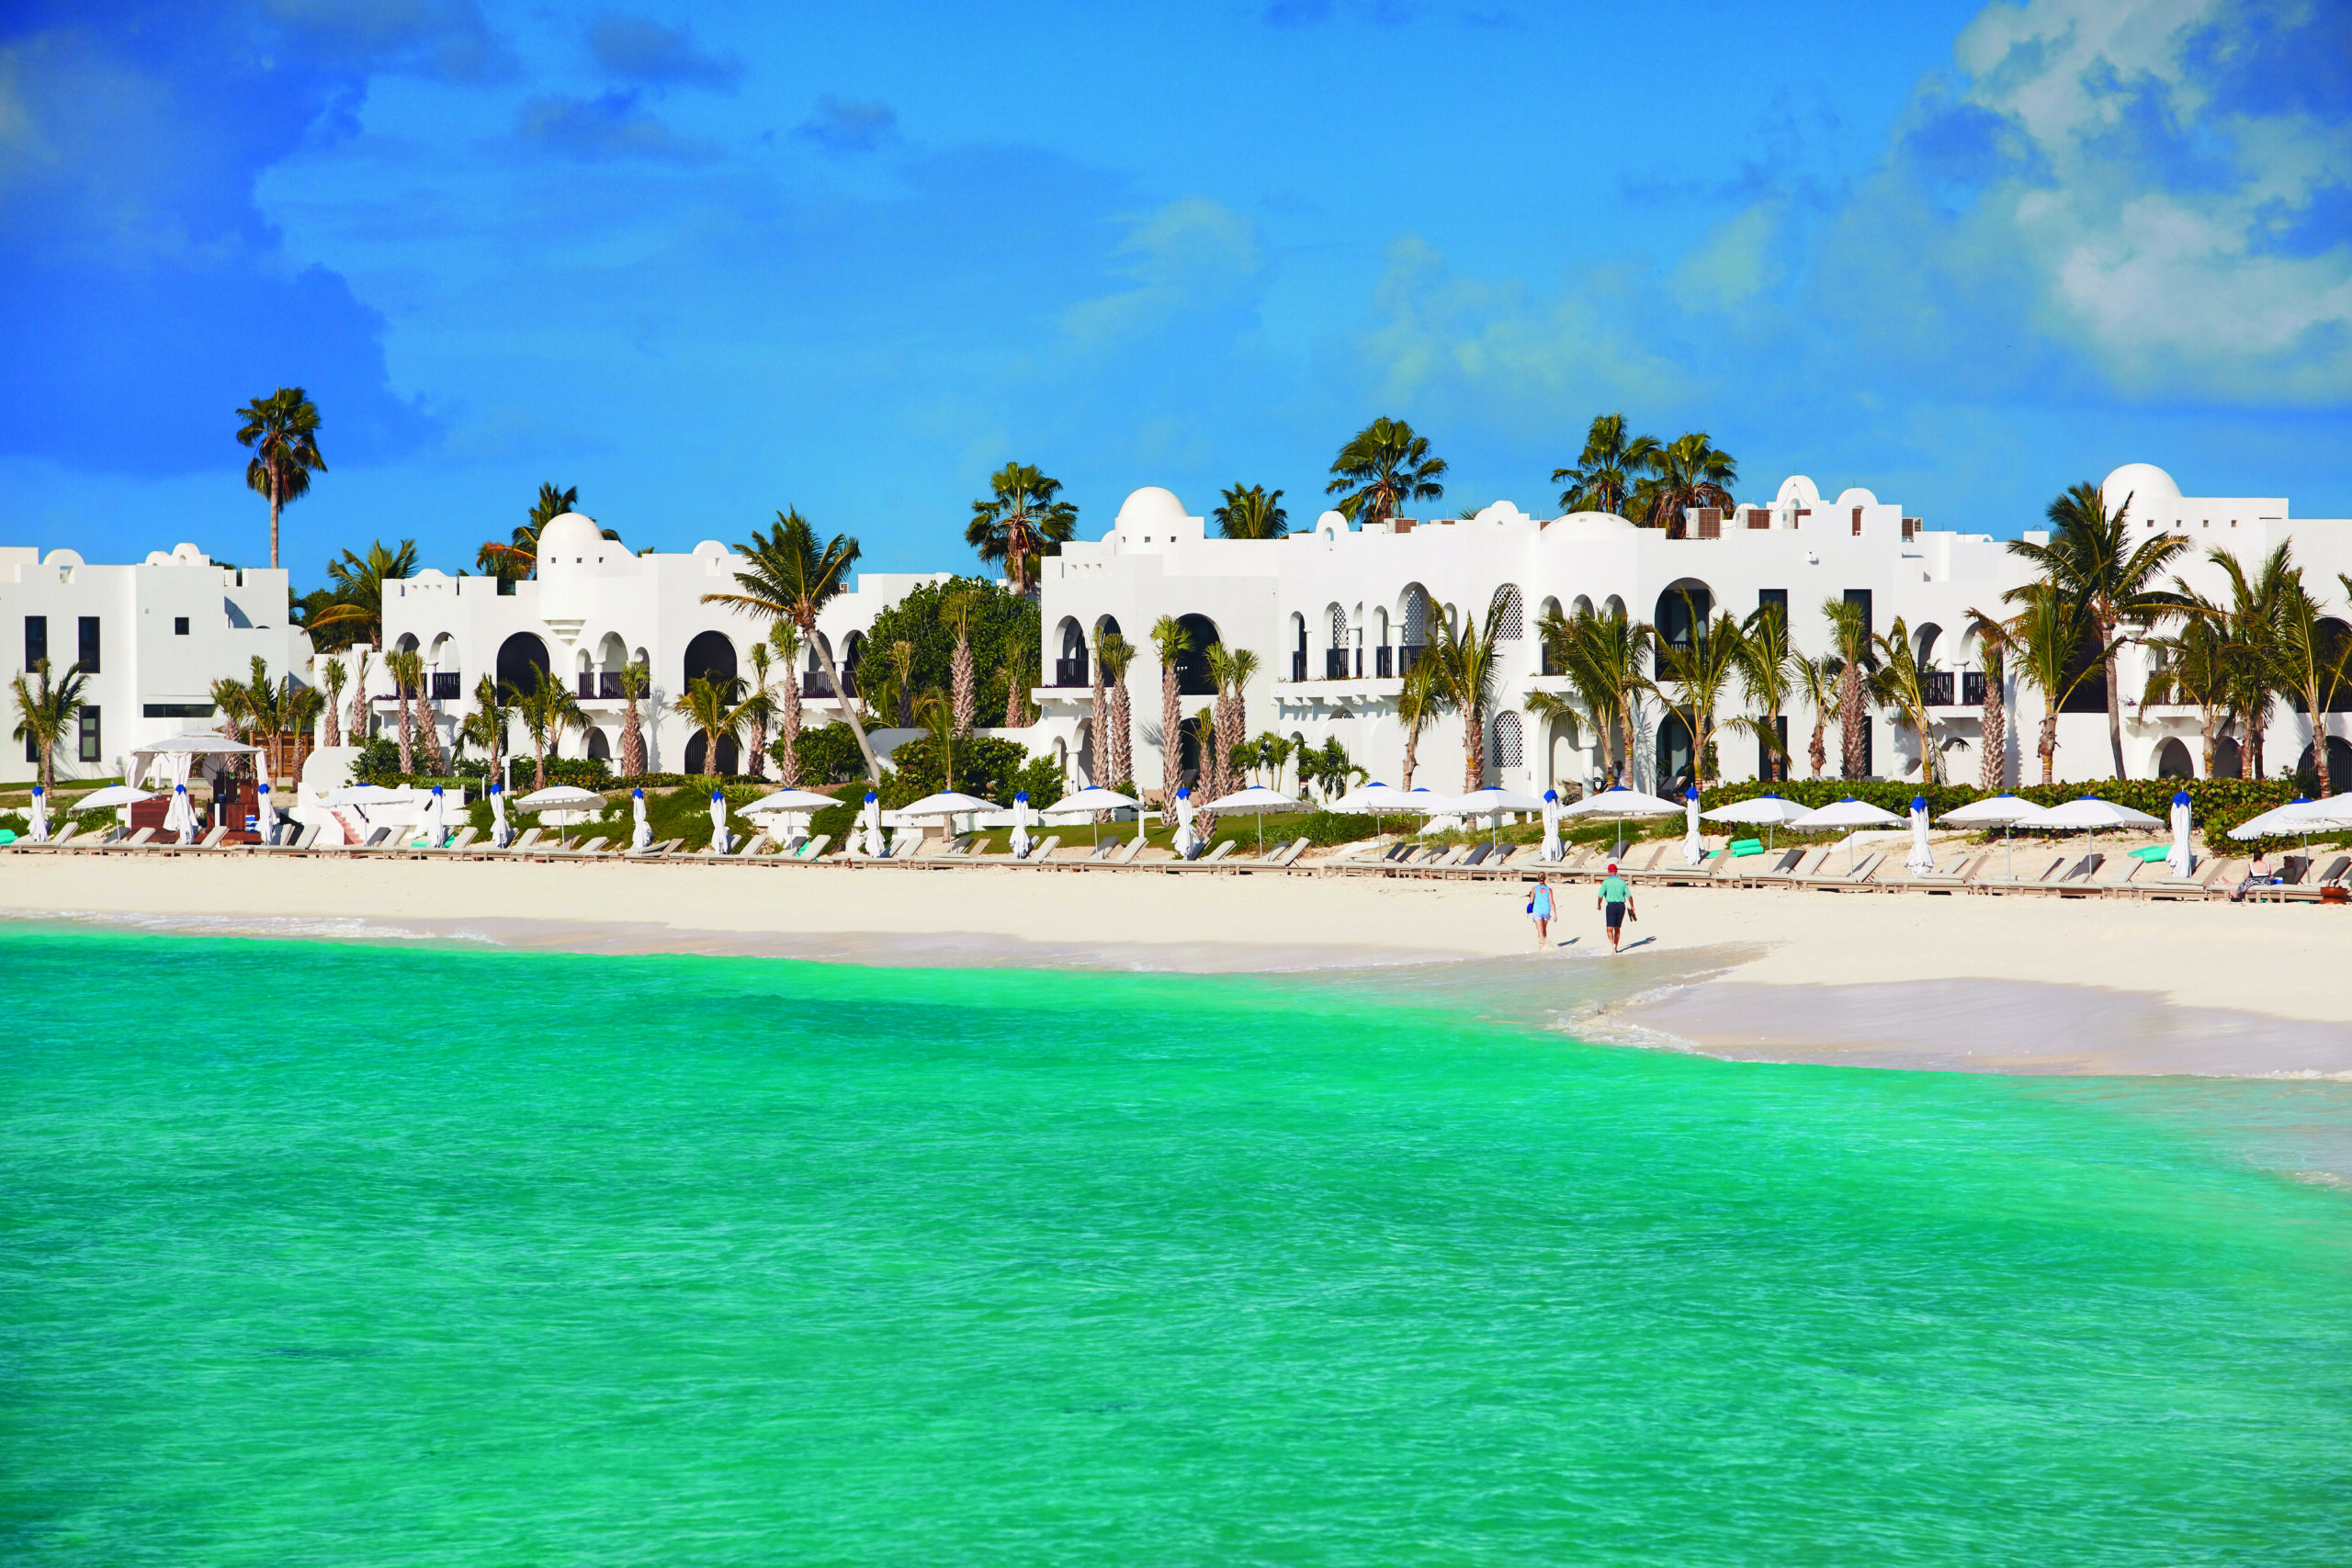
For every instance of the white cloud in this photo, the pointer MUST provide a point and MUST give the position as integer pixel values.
(1192, 255)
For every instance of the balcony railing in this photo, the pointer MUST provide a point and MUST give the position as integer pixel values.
(1298, 664)
(1407, 655)
(1936, 686)
(1070, 671)
(1335, 664)
(817, 684)
(449, 686)
(1384, 661)
(1971, 688)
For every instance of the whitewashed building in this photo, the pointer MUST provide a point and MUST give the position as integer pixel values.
(595, 608)
(1337, 614)
(151, 639)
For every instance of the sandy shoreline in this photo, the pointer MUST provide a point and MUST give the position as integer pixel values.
(1895, 980)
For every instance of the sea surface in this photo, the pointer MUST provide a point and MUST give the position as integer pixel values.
(323, 1252)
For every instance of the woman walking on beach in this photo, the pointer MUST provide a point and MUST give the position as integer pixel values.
(1539, 909)
(1615, 904)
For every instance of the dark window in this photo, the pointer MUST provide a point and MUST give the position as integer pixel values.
(1192, 664)
(1937, 687)
(179, 625)
(1971, 688)
(1862, 596)
(1673, 752)
(710, 657)
(522, 663)
(36, 640)
(89, 735)
(447, 685)
(89, 645)
(1771, 764)
(32, 752)
(176, 710)
(1776, 598)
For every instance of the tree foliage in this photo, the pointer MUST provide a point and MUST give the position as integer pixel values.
(1003, 627)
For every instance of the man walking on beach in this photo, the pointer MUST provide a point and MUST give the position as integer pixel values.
(1615, 904)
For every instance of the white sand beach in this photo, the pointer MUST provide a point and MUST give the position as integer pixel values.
(1896, 979)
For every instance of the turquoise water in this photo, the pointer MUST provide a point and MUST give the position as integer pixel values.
(338, 1254)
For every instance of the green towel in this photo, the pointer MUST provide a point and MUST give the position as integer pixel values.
(2152, 853)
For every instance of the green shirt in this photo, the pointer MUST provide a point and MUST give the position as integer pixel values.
(1615, 891)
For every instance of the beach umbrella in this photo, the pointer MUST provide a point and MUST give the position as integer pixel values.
(2005, 812)
(949, 803)
(500, 834)
(640, 833)
(1922, 859)
(2328, 814)
(1094, 800)
(869, 822)
(1491, 802)
(1552, 851)
(1848, 813)
(1376, 798)
(1694, 852)
(2181, 860)
(37, 818)
(113, 794)
(266, 814)
(1185, 842)
(788, 800)
(561, 797)
(2090, 814)
(181, 818)
(1765, 811)
(721, 841)
(1256, 801)
(1618, 804)
(1020, 825)
(366, 795)
(434, 813)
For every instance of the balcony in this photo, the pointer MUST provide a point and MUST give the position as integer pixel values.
(1971, 688)
(1335, 664)
(1070, 671)
(1409, 655)
(1936, 686)
(449, 686)
(1298, 665)
(817, 684)
(1384, 663)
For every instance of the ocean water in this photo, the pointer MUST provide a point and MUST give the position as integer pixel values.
(329, 1252)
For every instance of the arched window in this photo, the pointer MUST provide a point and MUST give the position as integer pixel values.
(1338, 617)
(1509, 746)
(698, 750)
(709, 657)
(599, 749)
(1414, 610)
(522, 663)
(2339, 766)
(1583, 606)
(2227, 759)
(2171, 761)
(1192, 664)
(853, 658)
(1297, 646)
(1673, 753)
(1070, 664)
(1682, 609)
(1614, 608)
(1107, 626)
(1512, 627)
(1923, 643)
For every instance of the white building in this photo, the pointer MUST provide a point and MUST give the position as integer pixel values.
(595, 608)
(151, 639)
(1336, 615)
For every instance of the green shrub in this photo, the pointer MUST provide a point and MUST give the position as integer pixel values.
(828, 755)
(985, 766)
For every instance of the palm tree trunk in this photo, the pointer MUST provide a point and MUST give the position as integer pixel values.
(1474, 751)
(1412, 748)
(408, 738)
(1850, 735)
(632, 741)
(1123, 762)
(1819, 753)
(274, 488)
(2208, 723)
(960, 679)
(849, 709)
(48, 765)
(1993, 727)
(1172, 738)
(2250, 763)
(2048, 746)
(759, 757)
(787, 736)
(2114, 702)
(1099, 725)
(539, 762)
(330, 722)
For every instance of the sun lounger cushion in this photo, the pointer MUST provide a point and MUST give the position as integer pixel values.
(1220, 851)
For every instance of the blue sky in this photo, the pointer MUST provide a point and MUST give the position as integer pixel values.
(704, 262)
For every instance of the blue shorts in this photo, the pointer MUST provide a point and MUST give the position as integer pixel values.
(1616, 916)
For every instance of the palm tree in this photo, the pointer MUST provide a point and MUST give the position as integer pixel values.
(636, 679)
(1170, 642)
(1022, 519)
(1210, 784)
(1992, 720)
(1021, 655)
(1098, 719)
(786, 636)
(1692, 680)
(283, 431)
(894, 694)
(2312, 664)
(1612, 464)
(2047, 635)
(957, 607)
(935, 711)
(715, 708)
(519, 557)
(759, 706)
(2091, 559)
(407, 669)
(2193, 666)
(1818, 680)
(1420, 699)
(1686, 472)
(1603, 654)
(792, 578)
(486, 725)
(333, 675)
(2251, 621)
(1250, 511)
(358, 725)
(1768, 678)
(548, 710)
(1469, 672)
(1383, 467)
(1902, 686)
(47, 712)
(1232, 669)
(1113, 655)
(359, 587)
(1851, 645)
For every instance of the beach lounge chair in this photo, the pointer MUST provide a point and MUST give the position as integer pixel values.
(1104, 850)
(1043, 849)
(1782, 868)
(1222, 849)
(136, 840)
(2035, 869)
(1842, 879)
(1477, 856)
(812, 848)
(465, 836)
(1127, 856)
(2082, 871)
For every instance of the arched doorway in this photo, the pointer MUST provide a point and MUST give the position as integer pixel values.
(1192, 664)
(2339, 768)
(699, 752)
(710, 657)
(522, 664)
(2227, 758)
(1673, 754)
(852, 660)
(599, 749)
(2173, 762)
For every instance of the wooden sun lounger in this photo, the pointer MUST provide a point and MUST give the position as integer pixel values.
(1127, 856)
(1043, 849)
(1217, 853)
(1843, 878)
(2036, 871)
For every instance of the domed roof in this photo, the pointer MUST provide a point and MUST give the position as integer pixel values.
(569, 534)
(2144, 481)
(1151, 507)
(1589, 525)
